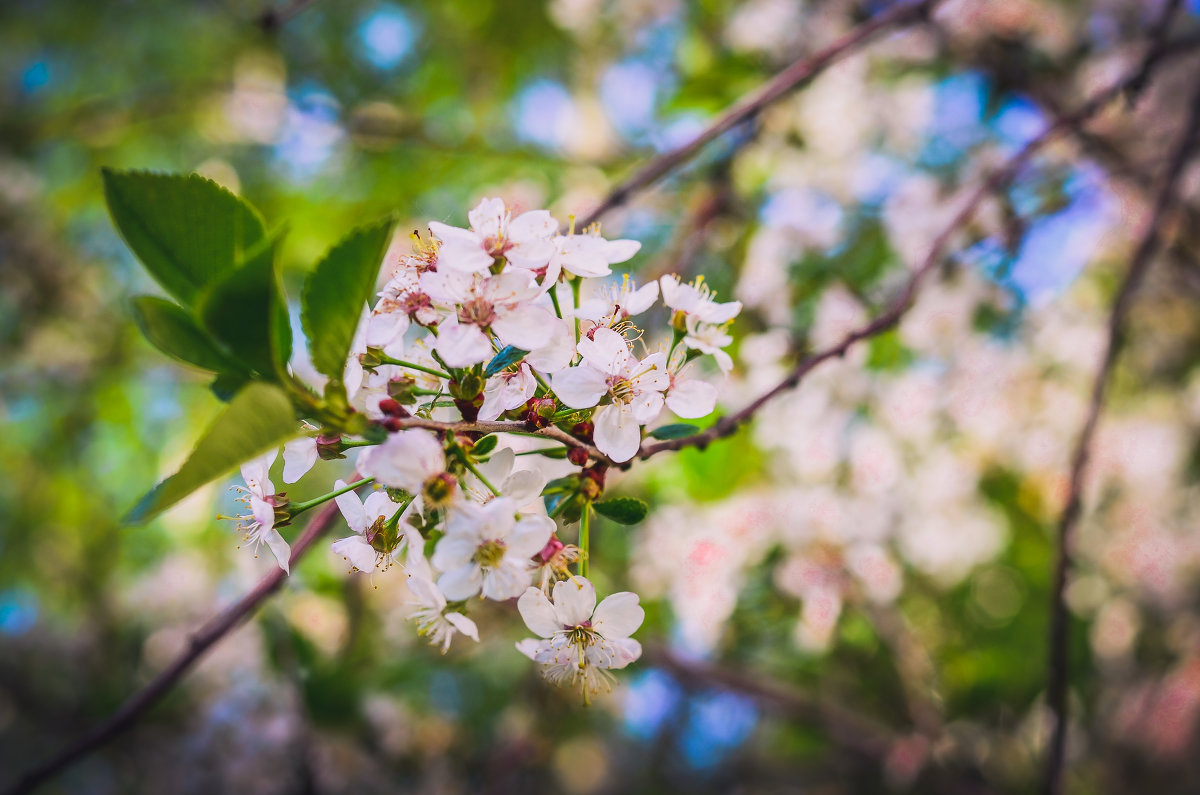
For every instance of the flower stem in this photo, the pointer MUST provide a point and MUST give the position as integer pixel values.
(584, 527)
(575, 285)
(414, 366)
(475, 471)
(297, 508)
(554, 300)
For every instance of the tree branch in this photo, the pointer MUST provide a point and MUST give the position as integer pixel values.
(200, 642)
(1059, 662)
(794, 76)
(728, 425)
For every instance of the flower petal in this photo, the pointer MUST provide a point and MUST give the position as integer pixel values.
(530, 535)
(299, 455)
(356, 550)
(618, 616)
(692, 398)
(508, 580)
(279, 546)
(464, 625)
(351, 508)
(574, 601)
(461, 583)
(579, 387)
(617, 432)
(538, 613)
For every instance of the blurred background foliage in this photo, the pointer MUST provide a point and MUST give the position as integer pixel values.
(851, 597)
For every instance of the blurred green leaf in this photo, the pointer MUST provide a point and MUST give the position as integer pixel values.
(676, 430)
(172, 330)
(245, 311)
(186, 230)
(625, 510)
(335, 292)
(258, 418)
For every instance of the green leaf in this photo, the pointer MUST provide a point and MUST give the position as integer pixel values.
(259, 418)
(677, 430)
(245, 311)
(172, 330)
(483, 447)
(226, 385)
(625, 510)
(335, 292)
(568, 484)
(186, 230)
(507, 356)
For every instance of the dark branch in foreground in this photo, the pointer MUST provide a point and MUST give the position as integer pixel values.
(200, 642)
(791, 78)
(1058, 675)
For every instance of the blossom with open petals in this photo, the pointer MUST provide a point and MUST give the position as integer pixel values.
(580, 641)
(526, 241)
(487, 549)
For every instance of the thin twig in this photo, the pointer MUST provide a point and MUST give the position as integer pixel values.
(728, 425)
(1059, 662)
(794, 76)
(515, 426)
(200, 642)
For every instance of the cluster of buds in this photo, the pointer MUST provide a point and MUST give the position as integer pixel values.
(495, 322)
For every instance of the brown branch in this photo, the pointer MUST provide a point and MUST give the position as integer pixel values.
(794, 76)
(1059, 662)
(728, 425)
(515, 426)
(200, 642)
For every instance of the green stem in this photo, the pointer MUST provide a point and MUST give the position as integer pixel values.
(414, 366)
(297, 508)
(575, 285)
(475, 471)
(438, 358)
(346, 445)
(584, 527)
(554, 300)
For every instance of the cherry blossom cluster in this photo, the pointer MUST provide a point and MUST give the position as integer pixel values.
(511, 321)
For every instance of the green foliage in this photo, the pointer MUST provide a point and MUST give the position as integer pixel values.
(258, 418)
(245, 311)
(336, 291)
(186, 230)
(624, 510)
(484, 447)
(676, 430)
(174, 331)
(507, 356)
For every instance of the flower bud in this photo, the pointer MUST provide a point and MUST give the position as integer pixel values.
(469, 408)
(392, 408)
(393, 424)
(550, 550)
(540, 411)
(372, 358)
(329, 447)
(577, 456)
(468, 387)
(584, 431)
